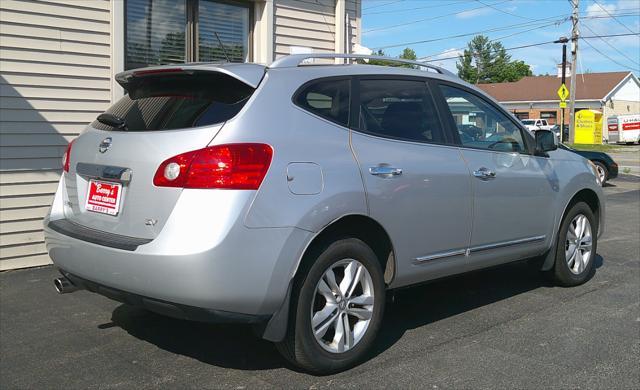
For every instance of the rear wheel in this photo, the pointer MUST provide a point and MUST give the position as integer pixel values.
(577, 244)
(337, 308)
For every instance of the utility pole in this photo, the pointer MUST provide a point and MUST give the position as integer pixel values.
(575, 33)
(564, 41)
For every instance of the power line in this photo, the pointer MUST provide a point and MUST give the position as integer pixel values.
(382, 5)
(497, 39)
(429, 19)
(503, 11)
(611, 35)
(606, 56)
(614, 18)
(609, 44)
(501, 28)
(395, 11)
(507, 49)
(507, 27)
(535, 44)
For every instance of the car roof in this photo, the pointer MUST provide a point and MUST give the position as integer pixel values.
(252, 73)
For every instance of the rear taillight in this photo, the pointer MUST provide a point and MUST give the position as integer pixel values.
(66, 157)
(230, 166)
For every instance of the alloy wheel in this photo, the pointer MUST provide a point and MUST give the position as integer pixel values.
(578, 244)
(602, 174)
(342, 306)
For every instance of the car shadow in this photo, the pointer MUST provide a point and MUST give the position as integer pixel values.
(237, 346)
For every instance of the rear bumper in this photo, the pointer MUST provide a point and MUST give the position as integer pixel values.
(169, 309)
(204, 257)
(247, 274)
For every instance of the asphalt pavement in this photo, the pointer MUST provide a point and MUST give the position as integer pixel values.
(628, 159)
(506, 327)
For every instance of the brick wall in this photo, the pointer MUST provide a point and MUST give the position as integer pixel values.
(551, 115)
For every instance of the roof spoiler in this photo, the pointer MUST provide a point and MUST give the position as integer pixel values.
(297, 59)
(250, 74)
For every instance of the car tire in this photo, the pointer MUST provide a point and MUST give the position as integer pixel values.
(603, 172)
(574, 257)
(309, 305)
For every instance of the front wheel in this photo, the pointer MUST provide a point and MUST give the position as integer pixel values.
(577, 244)
(337, 308)
(603, 172)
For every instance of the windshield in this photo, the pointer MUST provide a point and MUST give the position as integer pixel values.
(182, 100)
(528, 122)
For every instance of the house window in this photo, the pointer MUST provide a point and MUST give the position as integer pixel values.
(521, 115)
(160, 32)
(550, 116)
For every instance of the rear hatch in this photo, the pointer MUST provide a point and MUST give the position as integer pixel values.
(166, 112)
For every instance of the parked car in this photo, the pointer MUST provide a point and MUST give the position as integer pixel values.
(536, 124)
(556, 130)
(605, 166)
(293, 197)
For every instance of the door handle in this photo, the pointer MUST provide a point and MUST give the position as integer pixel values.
(385, 171)
(484, 174)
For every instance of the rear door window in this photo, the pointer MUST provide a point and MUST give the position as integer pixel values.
(329, 99)
(402, 109)
(182, 100)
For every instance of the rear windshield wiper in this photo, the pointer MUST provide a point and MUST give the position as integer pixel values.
(113, 121)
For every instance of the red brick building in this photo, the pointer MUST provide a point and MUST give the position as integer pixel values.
(612, 93)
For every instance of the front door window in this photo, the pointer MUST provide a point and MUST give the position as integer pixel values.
(480, 125)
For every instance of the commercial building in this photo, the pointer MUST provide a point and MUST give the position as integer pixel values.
(611, 93)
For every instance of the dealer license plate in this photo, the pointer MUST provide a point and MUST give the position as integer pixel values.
(104, 197)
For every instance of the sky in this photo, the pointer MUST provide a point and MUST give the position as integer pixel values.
(517, 22)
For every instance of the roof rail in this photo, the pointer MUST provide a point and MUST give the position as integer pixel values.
(297, 59)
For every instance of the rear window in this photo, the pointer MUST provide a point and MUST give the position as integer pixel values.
(165, 102)
(326, 98)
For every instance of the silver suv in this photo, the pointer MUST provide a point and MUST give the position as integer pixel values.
(293, 197)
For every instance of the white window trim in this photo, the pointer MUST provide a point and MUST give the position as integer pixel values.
(117, 48)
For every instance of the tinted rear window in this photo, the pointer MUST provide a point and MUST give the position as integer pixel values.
(326, 98)
(165, 102)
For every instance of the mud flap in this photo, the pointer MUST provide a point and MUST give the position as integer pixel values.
(276, 328)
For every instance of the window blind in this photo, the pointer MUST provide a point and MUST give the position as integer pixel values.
(155, 32)
(231, 22)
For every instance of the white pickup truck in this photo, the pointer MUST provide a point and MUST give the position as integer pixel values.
(536, 124)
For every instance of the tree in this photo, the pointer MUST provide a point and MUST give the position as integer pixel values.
(379, 53)
(484, 61)
(407, 54)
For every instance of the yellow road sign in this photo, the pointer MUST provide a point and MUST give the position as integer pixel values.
(563, 104)
(563, 92)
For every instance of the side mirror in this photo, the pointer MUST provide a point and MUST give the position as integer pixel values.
(545, 141)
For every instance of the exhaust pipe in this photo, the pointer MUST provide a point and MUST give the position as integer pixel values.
(64, 285)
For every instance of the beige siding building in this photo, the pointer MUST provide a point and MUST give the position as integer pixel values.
(58, 59)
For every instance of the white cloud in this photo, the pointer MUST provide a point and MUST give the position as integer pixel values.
(474, 13)
(447, 62)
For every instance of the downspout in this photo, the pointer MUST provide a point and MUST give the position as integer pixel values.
(340, 27)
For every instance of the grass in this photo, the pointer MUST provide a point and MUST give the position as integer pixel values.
(595, 148)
